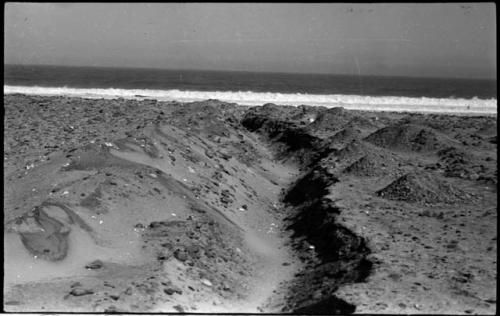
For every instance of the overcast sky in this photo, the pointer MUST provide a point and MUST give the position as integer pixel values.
(445, 40)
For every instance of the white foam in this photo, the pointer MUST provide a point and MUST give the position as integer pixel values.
(355, 102)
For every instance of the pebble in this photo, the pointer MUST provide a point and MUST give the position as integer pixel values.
(206, 282)
(180, 255)
(179, 308)
(115, 297)
(81, 292)
(172, 290)
(97, 264)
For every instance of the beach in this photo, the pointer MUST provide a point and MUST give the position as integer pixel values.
(144, 205)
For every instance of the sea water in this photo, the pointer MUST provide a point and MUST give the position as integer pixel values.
(248, 88)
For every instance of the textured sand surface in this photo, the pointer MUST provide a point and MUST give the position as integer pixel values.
(139, 206)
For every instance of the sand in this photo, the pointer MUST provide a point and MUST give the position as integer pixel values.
(146, 206)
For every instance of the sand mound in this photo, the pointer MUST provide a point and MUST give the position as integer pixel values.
(362, 159)
(488, 129)
(208, 118)
(421, 188)
(457, 163)
(346, 135)
(305, 114)
(363, 122)
(364, 166)
(367, 166)
(436, 122)
(354, 150)
(372, 162)
(331, 119)
(408, 137)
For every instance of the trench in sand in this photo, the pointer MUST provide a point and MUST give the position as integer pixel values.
(260, 231)
(265, 242)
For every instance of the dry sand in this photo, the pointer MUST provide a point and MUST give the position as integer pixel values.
(146, 206)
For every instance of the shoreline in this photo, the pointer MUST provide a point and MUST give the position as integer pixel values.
(450, 106)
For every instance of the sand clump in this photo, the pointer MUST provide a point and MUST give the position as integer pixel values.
(421, 188)
(332, 119)
(457, 163)
(408, 137)
(346, 135)
(370, 165)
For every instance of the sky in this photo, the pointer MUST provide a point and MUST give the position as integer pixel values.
(422, 40)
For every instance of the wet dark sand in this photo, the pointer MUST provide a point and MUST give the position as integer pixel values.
(120, 205)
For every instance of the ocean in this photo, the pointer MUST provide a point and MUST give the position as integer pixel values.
(252, 88)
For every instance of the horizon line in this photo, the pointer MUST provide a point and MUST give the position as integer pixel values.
(255, 71)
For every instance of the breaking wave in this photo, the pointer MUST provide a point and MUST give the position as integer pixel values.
(354, 102)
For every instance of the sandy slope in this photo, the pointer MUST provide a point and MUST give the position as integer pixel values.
(189, 205)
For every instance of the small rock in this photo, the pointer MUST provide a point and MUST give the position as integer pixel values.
(193, 250)
(171, 290)
(180, 255)
(179, 308)
(317, 295)
(162, 257)
(75, 284)
(111, 309)
(81, 292)
(206, 282)
(97, 264)
(115, 297)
